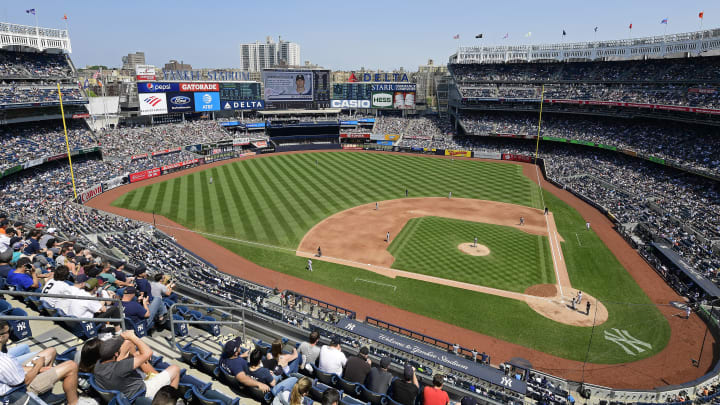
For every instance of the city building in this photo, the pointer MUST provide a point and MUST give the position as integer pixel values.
(255, 57)
(132, 60)
(175, 65)
(427, 79)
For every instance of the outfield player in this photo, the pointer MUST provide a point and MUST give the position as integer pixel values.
(587, 225)
(406, 192)
(522, 221)
(210, 179)
(450, 195)
(309, 265)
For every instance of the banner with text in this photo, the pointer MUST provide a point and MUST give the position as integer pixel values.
(145, 174)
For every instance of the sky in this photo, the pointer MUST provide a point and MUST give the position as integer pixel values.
(343, 35)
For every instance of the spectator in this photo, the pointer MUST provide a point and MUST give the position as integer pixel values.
(357, 367)
(5, 259)
(266, 376)
(332, 359)
(24, 277)
(119, 371)
(89, 355)
(139, 310)
(57, 285)
(32, 245)
(87, 287)
(379, 378)
(298, 394)
(39, 375)
(435, 395)
(405, 390)
(330, 396)
(309, 351)
(20, 352)
(159, 288)
(234, 364)
(167, 395)
(143, 285)
(281, 362)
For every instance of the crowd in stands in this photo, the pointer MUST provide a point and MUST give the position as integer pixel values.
(691, 146)
(23, 93)
(25, 142)
(677, 81)
(29, 65)
(127, 141)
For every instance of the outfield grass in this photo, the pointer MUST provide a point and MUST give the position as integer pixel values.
(517, 260)
(277, 199)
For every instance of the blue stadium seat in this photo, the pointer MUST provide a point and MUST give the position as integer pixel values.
(83, 330)
(18, 329)
(212, 397)
(139, 328)
(181, 329)
(325, 377)
(348, 400)
(375, 398)
(108, 395)
(4, 307)
(350, 388)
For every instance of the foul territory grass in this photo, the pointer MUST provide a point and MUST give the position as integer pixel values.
(517, 260)
(276, 200)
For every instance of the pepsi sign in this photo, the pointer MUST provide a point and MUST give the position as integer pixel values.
(207, 101)
(243, 104)
(155, 87)
(180, 102)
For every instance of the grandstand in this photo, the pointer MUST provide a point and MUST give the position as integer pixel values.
(654, 171)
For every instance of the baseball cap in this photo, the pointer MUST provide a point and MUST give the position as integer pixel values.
(81, 278)
(130, 290)
(91, 283)
(17, 223)
(4, 222)
(18, 246)
(109, 347)
(51, 230)
(385, 362)
(231, 347)
(299, 77)
(408, 372)
(40, 225)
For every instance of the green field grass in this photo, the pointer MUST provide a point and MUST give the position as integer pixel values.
(517, 260)
(276, 199)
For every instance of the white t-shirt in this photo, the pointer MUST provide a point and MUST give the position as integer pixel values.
(56, 287)
(332, 360)
(158, 289)
(4, 242)
(81, 308)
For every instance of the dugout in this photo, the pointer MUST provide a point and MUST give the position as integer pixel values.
(684, 272)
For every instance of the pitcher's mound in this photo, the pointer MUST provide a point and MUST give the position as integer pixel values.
(479, 250)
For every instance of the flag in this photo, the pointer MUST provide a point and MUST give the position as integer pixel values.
(528, 35)
(701, 14)
(478, 36)
(95, 75)
(630, 27)
(456, 36)
(506, 35)
(664, 21)
(31, 11)
(564, 33)
(596, 29)
(65, 17)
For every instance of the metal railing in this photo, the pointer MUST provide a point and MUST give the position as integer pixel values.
(121, 320)
(231, 308)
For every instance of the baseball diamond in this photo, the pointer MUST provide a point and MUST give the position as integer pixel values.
(276, 200)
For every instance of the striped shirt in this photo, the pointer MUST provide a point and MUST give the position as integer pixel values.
(11, 373)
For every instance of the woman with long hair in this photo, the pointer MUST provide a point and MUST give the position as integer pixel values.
(280, 362)
(89, 355)
(265, 376)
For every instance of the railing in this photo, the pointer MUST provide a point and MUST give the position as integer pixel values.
(121, 320)
(230, 322)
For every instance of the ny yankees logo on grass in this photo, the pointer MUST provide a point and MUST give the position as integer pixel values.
(626, 341)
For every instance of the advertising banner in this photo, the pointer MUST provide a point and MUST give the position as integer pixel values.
(288, 86)
(199, 87)
(165, 152)
(260, 144)
(402, 87)
(57, 157)
(460, 153)
(180, 102)
(366, 120)
(33, 163)
(487, 155)
(255, 125)
(145, 72)
(144, 175)
(76, 116)
(366, 136)
(242, 104)
(241, 141)
(517, 158)
(382, 100)
(157, 87)
(350, 103)
(352, 146)
(152, 104)
(230, 124)
(240, 91)
(403, 100)
(391, 137)
(386, 143)
(205, 102)
(348, 123)
(136, 157)
(433, 354)
(179, 164)
(90, 193)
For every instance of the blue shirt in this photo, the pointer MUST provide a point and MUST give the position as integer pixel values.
(22, 280)
(235, 366)
(263, 375)
(144, 286)
(5, 270)
(134, 310)
(32, 247)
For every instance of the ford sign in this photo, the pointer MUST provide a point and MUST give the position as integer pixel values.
(180, 100)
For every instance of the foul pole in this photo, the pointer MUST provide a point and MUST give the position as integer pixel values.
(67, 143)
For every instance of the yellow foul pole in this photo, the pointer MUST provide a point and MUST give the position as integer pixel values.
(67, 143)
(542, 100)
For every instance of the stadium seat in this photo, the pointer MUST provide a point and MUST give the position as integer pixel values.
(83, 330)
(207, 364)
(109, 395)
(374, 398)
(239, 388)
(181, 328)
(188, 383)
(213, 329)
(212, 397)
(350, 388)
(68, 354)
(348, 400)
(18, 329)
(4, 307)
(140, 328)
(325, 377)
(317, 390)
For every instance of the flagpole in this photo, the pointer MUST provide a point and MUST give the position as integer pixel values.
(67, 143)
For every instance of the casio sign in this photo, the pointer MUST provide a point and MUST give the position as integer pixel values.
(382, 100)
(180, 100)
(350, 103)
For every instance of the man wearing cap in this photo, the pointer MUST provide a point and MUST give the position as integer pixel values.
(5, 259)
(357, 367)
(435, 395)
(332, 359)
(140, 309)
(107, 275)
(233, 363)
(17, 252)
(405, 390)
(141, 281)
(119, 372)
(32, 245)
(379, 378)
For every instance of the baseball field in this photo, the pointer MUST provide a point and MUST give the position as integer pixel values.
(263, 209)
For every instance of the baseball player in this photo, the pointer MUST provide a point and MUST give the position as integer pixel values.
(522, 221)
(309, 265)
(546, 210)
(450, 195)
(387, 237)
(376, 206)
(587, 308)
(210, 179)
(319, 252)
(475, 243)
(406, 192)
(587, 225)
(579, 297)
(687, 312)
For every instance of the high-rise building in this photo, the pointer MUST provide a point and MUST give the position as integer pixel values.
(258, 56)
(132, 60)
(175, 65)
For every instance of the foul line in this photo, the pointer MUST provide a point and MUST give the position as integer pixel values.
(375, 282)
(550, 234)
(578, 239)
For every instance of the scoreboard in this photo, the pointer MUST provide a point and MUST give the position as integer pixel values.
(352, 91)
(240, 91)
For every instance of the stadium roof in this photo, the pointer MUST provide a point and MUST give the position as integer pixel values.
(14, 35)
(300, 112)
(684, 44)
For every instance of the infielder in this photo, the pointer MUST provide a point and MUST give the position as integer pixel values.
(579, 297)
(309, 265)
(522, 221)
(319, 252)
(450, 195)
(376, 206)
(387, 237)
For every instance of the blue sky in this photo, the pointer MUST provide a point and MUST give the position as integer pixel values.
(340, 34)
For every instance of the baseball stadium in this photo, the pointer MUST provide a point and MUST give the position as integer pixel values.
(530, 224)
